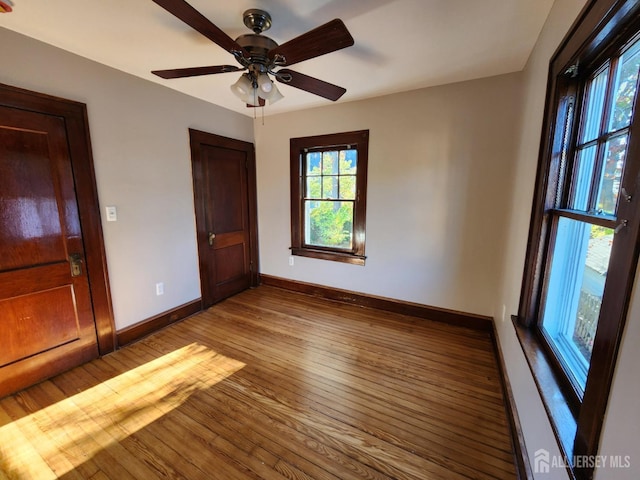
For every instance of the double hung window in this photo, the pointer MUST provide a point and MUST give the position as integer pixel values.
(584, 218)
(582, 253)
(328, 196)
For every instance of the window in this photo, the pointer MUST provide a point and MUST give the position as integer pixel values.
(582, 254)
(328, 196)
(585, 218)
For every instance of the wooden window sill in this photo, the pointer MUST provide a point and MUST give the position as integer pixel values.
(563, 421)
(343, 257)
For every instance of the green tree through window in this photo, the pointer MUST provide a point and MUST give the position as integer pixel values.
(329, 198)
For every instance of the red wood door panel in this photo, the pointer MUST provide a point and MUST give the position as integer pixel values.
(46, 316)
(227, 222)
(37, 322)
(224, 191)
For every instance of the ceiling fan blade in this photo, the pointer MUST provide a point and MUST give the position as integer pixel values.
(199, 22)
(195, 71)
(310, 84)
(324, 39)
(261, 103)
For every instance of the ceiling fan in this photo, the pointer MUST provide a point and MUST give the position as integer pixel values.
(260, 56)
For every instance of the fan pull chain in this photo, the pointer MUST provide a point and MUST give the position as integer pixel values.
(255, 102)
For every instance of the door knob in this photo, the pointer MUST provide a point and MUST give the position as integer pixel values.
(211, 237)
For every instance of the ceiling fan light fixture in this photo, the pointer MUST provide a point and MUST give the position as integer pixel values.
(253, 99)
(243, 88)
(265, 85)
(275, 95)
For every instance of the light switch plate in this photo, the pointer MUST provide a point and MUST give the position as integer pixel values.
(112, 213)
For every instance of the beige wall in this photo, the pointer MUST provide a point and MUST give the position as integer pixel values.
(621, 431)
(439, 163)
(450, 185)
(139, 132)
(534, 420)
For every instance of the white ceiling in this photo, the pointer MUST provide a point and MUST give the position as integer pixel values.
(400, 45)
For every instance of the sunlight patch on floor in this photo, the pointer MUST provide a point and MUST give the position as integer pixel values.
(105, 414)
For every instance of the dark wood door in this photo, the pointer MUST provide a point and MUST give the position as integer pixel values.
(224, 192)
(46, 317)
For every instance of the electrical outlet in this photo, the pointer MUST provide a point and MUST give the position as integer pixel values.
(112, 213)
(159, 288)
(291, 261)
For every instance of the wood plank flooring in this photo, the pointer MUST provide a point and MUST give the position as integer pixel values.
(275, 385)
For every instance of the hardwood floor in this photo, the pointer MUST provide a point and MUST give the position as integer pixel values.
(271, 384)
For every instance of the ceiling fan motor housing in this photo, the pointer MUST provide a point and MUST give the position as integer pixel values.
(257, 20)
(257, 46)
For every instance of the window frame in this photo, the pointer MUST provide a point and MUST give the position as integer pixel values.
(600, 32)
(358, 140)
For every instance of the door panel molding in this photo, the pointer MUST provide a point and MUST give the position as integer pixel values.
(74, 115)
(199, 140)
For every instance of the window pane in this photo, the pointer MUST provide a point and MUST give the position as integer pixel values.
(330, 163)
(329, 187)
(348, 162)
(329, 224)
(583, 178)
(314, 187)
(348, 187)
(574, 293)
(313, 163)
(612, 172)
(595, 104)
(625, 88)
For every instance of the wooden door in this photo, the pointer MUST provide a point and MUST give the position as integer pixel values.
(224, 192)
(46, 317)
